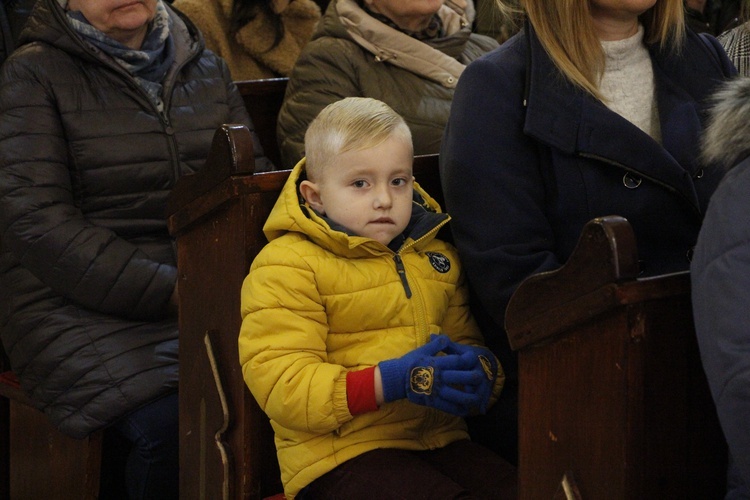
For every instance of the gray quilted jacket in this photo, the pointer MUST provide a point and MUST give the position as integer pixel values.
(87, 266)
(720, 276)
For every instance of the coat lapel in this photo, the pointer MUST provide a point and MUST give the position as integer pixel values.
(568, 119)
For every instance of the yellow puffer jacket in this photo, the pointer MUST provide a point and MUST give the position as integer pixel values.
(318, 303)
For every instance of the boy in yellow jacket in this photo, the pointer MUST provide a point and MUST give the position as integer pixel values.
(340, 312)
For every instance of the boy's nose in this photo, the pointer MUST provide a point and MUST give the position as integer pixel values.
(383, 198)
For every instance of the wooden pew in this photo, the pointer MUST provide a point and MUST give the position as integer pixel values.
(612, 393)
(263, 100)
(37, 460)
(217, 217)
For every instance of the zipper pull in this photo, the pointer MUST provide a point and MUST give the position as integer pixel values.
(402, 274)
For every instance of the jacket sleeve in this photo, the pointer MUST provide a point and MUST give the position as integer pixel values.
(42, 226)
(494, 186)
(460, 326)
(720, 276)
(324, 73)
(718, 55)
(282, 346)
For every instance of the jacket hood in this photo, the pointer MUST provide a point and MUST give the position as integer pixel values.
(48, 23)
(292, 214)
(727, 137)
(436, 60)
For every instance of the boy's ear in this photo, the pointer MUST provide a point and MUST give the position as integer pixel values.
(311, 193)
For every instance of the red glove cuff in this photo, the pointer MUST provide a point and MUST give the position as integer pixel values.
(360, 391)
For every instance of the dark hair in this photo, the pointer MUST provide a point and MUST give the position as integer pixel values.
(244, 11)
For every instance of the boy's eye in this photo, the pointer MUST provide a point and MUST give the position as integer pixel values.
(358, 184)
(398, 182)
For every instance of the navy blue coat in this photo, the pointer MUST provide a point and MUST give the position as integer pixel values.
(527, 159)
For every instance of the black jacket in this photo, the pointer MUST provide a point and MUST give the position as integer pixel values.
(87, 266)
(717, 17)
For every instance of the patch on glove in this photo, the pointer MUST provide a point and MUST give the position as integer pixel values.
(486, 366)
(440, 262)
(421, 379)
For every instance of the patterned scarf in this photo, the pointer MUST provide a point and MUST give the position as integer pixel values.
(433, 31)
(150, 64)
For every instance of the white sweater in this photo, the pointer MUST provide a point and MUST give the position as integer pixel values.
(627, 84)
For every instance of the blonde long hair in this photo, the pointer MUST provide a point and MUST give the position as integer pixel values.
(565, 30)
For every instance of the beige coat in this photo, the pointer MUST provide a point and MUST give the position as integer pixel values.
(248, 53)
(352, 54)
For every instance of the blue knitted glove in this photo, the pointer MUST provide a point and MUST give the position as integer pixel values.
(427, 379)
(481, 361)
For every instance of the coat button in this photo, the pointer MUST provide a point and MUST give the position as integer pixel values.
(698, 174)
(689, 254)
(631, 181)
(450, 79)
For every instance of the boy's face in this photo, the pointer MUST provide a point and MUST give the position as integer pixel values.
(367, 191)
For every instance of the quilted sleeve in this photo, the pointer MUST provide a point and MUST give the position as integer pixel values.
(41, 224)
(282, 345)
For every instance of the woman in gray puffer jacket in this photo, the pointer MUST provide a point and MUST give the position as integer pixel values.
(365, 48)
(720, 275)
(94, 132)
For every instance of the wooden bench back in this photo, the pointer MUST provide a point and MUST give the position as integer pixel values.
(32, 448)
(612, 393)
(263, 99)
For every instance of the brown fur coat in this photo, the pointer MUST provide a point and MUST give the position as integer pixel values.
(248, 52)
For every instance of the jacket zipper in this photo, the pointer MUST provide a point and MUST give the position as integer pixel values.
(640, 174)
(166, 122)
(402, 274)
(167, 93)
(400, 269)
(419, 309)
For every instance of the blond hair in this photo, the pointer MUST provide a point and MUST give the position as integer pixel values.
(566, 31)
(351, 124)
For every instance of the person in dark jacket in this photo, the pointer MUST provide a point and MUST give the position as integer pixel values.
(720, 276)
(103, 106)
(712, 16)
(584, 113)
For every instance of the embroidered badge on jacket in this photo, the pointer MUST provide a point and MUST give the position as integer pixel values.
(440, 262)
